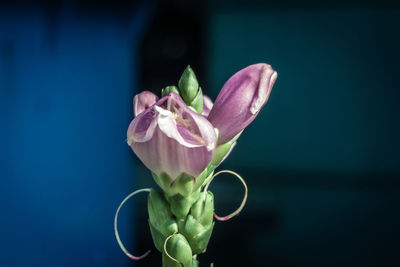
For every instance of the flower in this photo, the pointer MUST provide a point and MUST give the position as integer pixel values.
(170, 138)
(182, 141)
(240, 100)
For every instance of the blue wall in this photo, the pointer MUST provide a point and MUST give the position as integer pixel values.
(66, 86)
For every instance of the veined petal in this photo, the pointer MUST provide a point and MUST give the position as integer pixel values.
(240, 100)
(141, 129)
(164, 154)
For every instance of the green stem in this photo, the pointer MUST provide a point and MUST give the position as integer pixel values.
(195, 262)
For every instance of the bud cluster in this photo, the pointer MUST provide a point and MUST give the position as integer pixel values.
(189, 89)
(190, 218)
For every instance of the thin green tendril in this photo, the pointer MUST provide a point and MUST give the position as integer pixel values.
(116, 227)
(166, 252)
(227, 217)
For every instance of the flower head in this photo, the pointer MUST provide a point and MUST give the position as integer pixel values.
(170, 138)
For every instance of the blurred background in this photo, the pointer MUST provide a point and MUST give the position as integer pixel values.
(321, 160)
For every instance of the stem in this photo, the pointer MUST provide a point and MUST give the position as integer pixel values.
(195, 262)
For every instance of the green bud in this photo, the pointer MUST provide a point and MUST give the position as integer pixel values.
(172, 88)
(197, 102)
(188, 85)
(178, 248)
(198, 225)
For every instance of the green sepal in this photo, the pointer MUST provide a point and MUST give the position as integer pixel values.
(188, 85)
(161, 220)
(199, 242)
(203, 209)
(197, 102)
(180, 206)
(182, 185)
(178, 248)
(158, 237)
(171, 88)
(200, 180)
(158, 207)
(220, 152)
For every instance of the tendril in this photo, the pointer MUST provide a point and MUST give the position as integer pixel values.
(227, 217)
(166, 252)
(116, 227)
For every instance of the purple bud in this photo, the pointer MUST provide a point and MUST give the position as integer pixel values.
(170, 137)
(207, 105)
(143, 101)
(240, 100)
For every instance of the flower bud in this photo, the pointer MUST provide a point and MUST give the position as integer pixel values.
(190, 91)
(188, 85)
(197, 102)
(172, 88)
(198, 225)
(240, 100)
(178, 248)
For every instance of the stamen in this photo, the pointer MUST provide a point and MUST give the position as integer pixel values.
(116, 227)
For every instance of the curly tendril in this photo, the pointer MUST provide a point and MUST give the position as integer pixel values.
(166, 252)
(236, 212)
(116, 227)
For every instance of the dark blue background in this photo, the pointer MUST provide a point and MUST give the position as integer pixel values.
(67, 79)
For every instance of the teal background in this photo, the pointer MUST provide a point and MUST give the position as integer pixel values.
(321, 159)
(334, 105)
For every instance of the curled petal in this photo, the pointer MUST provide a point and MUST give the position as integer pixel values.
(240, 100)
(143, 101)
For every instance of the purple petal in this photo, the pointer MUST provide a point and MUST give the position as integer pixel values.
(240, 100)
(141, 129)
(143, 101)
